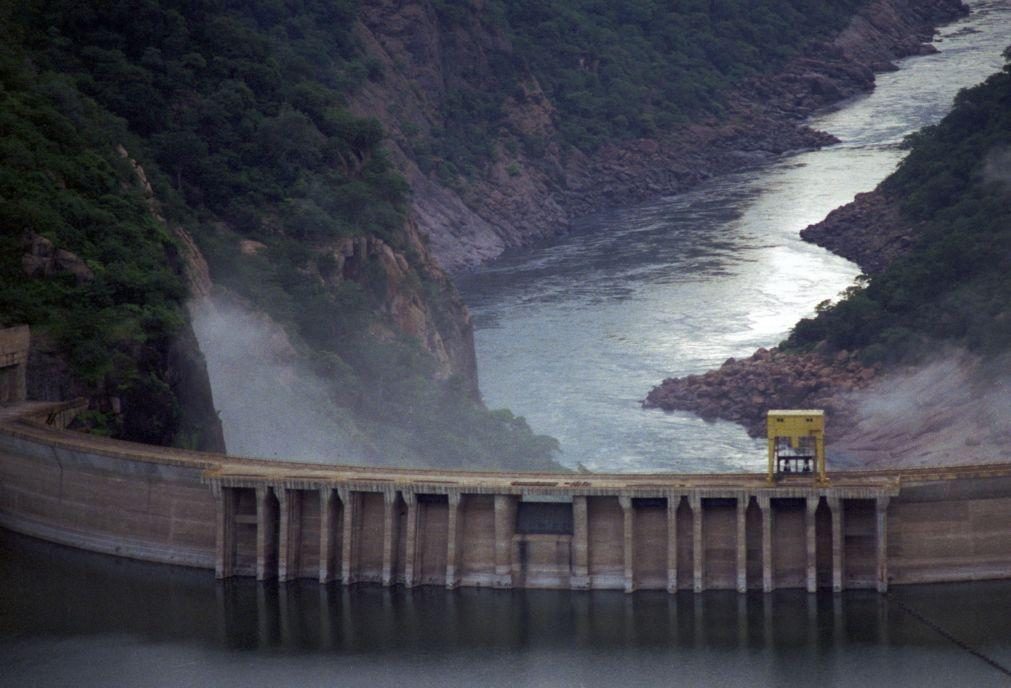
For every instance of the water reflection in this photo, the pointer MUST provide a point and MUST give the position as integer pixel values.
(61, 609)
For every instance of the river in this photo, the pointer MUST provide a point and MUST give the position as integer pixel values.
(571, 334)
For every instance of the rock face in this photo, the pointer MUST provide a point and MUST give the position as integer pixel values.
(42, 259)
(870, 231)
(520, 198)
(182, 361)
(434, 317)
(744, 390)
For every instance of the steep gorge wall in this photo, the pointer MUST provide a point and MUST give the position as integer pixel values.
(520, 195)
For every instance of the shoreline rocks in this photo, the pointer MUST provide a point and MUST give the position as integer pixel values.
(743, 390)
(871, 231)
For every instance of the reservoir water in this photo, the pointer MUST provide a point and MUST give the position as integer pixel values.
(69, 618)
(573, 333)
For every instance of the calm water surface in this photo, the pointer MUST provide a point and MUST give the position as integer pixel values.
(573, 334)
(74, 619)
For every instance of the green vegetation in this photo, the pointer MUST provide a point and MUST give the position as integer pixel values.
(236, 110)
(631, 69)
(955, 283)
(614, 70)
(61, 178)
(241, 105)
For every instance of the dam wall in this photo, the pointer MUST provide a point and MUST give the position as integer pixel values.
(243, 517)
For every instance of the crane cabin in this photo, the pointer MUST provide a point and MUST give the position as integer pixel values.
(796, 444)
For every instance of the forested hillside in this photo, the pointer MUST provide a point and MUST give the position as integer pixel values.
(953, 283)
(630, 70)
(84, 262)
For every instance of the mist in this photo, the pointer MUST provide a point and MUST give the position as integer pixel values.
(271, 406)
(952, 410)
(997, 166)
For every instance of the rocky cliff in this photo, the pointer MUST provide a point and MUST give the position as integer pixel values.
(524, 192)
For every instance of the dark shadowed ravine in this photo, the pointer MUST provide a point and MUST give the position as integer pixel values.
(572, 334)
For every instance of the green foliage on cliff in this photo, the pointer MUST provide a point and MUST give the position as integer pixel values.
(239, 102)
(62, 179)
(955, 282)
(630, 69)
(612, 70)
(237, 112)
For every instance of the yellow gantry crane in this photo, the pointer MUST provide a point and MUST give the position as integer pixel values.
(797, 444)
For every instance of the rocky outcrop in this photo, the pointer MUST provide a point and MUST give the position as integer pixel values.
(42, 259)
(415, 298)
(871, 231)
(744, 390)
(189, 258)
(522, 196)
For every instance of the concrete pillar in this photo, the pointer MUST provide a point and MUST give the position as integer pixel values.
(411, 544)
(629, 542)
(348, 537)
(266, 535)
(391, 536)
(838, 542)
(742, 543)
(698, 546)
(580, 575)
(765, 504)
(505, 527)
(224, 539)
(290, 543)
(453, 541)
(881, 527)
(327, 535)
(673, 501)
(812, 544)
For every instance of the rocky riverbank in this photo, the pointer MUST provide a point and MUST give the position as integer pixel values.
(743, 390)
(870, 231)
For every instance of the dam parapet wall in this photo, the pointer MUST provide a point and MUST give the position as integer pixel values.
(399, 526)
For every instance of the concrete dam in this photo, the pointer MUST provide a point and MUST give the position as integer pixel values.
(245, 517)
(398, 526)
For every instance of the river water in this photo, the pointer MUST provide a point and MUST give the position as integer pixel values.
(573, 333)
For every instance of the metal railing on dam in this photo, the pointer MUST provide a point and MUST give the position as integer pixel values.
(269, 519)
